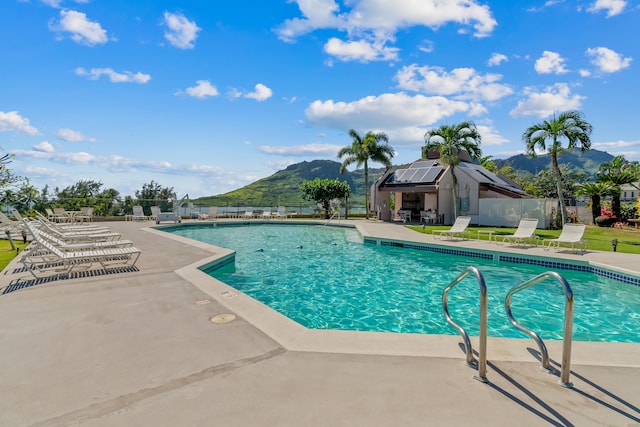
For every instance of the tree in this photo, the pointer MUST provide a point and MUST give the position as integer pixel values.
(82, 193)
(363, 149)
(595, 191)
(617, 172)
(569, 125)
(152, 194)
(450, 141)
(323, 191)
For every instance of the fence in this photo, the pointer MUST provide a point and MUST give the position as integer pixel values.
(509, 212)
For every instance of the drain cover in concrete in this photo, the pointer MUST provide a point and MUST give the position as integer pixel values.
(203, 301)
(223, 318)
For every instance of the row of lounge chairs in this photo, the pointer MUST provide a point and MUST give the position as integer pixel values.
(62, 248)
(213, 213)
(572, 234)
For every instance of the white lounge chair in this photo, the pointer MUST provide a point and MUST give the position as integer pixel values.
(138, 214)
(571, 235)
(46, 258)
(212, 213)
(266, 214)
(281, 213)
(459, 228)
(248, 214)
(155, 211)
(525, 233)
(78, 245)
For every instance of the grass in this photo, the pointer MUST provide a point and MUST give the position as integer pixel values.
(598, 238)
(7, 254)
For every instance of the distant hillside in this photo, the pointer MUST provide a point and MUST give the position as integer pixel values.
(283, 187)
(589, 161)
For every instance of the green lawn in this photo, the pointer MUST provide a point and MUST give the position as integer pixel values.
(6, 253)
(598, 238)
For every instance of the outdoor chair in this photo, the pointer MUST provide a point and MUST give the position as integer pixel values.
(138, 214)
(46, 258)
(459, 229)
(571, 235)
(525, 233)
(281, 213)
(266, 214)
(85, 214)
(210, 214)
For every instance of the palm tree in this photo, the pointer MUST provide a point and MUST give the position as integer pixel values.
(594, 190)
(570, 125)
(616, 173)
(450, 141)
(363, 149)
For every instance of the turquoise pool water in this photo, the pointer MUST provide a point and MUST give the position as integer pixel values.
(326, 278)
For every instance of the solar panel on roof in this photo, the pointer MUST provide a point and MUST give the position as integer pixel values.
(415, 175)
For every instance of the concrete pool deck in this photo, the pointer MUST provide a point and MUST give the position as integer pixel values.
(139, 348)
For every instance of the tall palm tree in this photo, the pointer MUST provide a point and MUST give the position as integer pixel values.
(450, 141)
(569, 125)
(594, 190)
(617, 172)
(363, 149)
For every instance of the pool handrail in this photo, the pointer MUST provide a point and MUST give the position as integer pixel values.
(568, 324)
(482, 352)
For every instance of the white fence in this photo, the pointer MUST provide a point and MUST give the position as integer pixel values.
(509, 212)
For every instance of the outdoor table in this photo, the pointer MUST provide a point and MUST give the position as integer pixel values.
(489, 232)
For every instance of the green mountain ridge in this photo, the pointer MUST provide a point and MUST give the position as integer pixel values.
(283, 187)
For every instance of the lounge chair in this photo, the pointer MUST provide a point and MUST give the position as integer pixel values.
(85, 214)
(46, 258)
(155, 211)
(281, 213)
(138, 214)
(459, 228)
(248, 214)
(75, 235)
(212, 213)
(571, 234)
(525, 233)
(266, 214)
(89, 243)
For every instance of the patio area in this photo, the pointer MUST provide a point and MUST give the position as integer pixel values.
(156, 346)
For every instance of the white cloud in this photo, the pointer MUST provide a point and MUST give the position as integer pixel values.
(114, 77)
(12, 122)
(552, 99)
(202, 89)
(261, 93)
(550, 63)
(383, 16)
(371, 24)
(70, 135)
(490, 135)
(181, 32)
(607, 60)
(464, 83)
(314, 149)
(58, 3)
(44, 146)
(360, 50)
(390, 111)
(81, 29)
(497, 59)
(613, 7)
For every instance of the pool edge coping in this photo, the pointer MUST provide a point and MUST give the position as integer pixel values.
(295, 337)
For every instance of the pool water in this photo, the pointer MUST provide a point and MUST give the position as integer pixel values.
(326, 278)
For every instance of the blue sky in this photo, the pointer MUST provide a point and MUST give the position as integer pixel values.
(209, 96)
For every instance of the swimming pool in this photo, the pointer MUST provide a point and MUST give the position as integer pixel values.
(326, 278)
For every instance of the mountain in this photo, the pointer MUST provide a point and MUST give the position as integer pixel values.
(587, 161)
(283, 187)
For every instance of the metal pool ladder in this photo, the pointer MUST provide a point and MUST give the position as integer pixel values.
(568, 324)
(482, 360)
